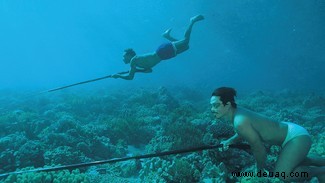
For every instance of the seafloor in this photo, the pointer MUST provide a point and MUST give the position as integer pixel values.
(68, 127)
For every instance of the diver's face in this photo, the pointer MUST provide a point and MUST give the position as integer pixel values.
(217, 108)
(126, 58)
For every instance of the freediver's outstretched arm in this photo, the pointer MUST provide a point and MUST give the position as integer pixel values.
(131, 73)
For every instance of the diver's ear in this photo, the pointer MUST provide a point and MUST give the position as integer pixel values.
(228, 105)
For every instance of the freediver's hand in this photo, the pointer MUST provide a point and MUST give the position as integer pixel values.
(115, 76)
(225, 145)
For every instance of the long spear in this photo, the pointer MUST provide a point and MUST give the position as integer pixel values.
(164, 153)
(83, 82)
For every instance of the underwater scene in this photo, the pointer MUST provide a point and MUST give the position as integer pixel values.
(186, 91)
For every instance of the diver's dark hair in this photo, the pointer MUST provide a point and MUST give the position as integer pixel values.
(226, 94)
(130, 52)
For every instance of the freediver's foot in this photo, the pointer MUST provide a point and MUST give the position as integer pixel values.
(166, 34)
(197, 18)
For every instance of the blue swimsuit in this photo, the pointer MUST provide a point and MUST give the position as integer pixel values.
(166, 51)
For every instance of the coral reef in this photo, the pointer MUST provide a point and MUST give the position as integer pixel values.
(49, 177)
(76, 127)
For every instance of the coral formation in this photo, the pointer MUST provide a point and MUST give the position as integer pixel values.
(82, 127)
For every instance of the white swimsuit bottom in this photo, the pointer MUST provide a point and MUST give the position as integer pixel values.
(294, 131)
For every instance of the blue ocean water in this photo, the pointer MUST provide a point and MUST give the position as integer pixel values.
(272, 52)
(249, 45)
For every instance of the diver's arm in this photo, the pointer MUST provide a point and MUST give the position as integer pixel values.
(234, 139)
(132, 72)
(245, 130)
(130, 75)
